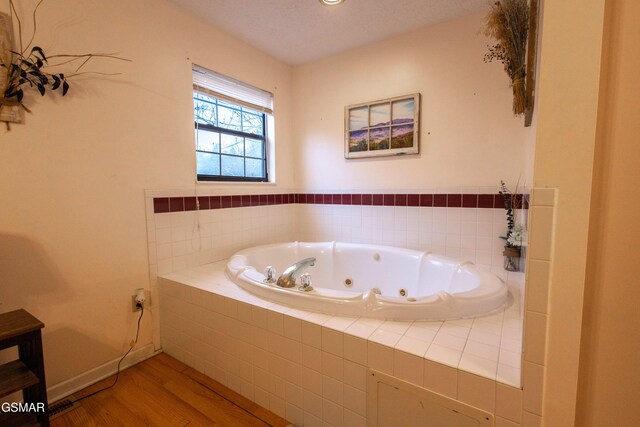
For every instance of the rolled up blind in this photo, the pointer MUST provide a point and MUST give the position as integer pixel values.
(224, 87)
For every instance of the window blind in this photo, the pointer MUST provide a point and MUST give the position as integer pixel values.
(223, 87)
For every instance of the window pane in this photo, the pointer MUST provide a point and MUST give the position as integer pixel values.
(205, 112)
(207, 140)
(358, 118)
(253, 148)
(252, 123)
(232, 144)
(255, 168)
(229, 118)
(380, 114)
(232, 166)
(208, 164)
(403, 111)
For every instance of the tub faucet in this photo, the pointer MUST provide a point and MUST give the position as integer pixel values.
(291, 274)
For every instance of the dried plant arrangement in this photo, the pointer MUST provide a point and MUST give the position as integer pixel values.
(508, 24)
(29, 68)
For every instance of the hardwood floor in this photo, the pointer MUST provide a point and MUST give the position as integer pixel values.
(162, 391)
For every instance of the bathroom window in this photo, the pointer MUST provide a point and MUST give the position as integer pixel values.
(231, 120)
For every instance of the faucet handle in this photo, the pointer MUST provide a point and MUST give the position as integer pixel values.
(269, 275)
(305, 281)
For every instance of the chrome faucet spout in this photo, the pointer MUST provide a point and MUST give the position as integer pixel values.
(288, 278)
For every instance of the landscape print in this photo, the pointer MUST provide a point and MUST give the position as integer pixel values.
(358, 141)
(382, 128)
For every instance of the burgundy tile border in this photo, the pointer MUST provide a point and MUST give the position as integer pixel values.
(190, 203)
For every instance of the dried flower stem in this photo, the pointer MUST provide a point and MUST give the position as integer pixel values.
(508, 24)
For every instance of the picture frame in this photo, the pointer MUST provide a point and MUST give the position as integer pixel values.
(386, 127)
(9, 113)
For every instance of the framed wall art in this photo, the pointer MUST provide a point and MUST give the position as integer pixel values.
(387, 127)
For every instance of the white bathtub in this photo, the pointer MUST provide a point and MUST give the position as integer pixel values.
(413, 285)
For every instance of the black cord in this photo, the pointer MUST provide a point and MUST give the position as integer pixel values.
(118, 371)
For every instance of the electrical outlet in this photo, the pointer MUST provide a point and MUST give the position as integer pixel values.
(134, 304)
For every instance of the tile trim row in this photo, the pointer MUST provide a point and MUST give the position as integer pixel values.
(192, 203)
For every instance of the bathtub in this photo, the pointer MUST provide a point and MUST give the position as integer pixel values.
(372, 281)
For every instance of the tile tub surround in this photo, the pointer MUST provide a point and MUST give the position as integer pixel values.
(204, 229)
(310, 367)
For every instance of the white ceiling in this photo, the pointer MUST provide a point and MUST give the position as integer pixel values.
(299, 31)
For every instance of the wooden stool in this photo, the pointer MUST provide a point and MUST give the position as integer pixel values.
(19, 328)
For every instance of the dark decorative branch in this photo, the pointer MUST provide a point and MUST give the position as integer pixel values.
(31, 70)
(508, 205)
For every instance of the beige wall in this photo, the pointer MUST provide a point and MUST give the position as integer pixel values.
(609, 381)
(73, 246)
(566, 133)
(469, 135)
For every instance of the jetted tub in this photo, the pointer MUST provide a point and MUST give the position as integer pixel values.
(372, 281)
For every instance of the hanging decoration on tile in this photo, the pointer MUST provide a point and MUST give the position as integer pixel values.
(511, 23)
(387, 127)
(27, 68)
(516, 235)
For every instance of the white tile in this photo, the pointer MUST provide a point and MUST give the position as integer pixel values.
(355, 349)
(503, 422)
(532, 381)
(318, 318)
(444, 355)
(163, 236)
(332, 341)
(332, 389)
(363, 327)
(380, 357)
(355, 375)
(543, 196)
(483, 337)
(312, 421)
(476, 391)
(294, 394)
(339, 323)
(355, 400)
(509, 402)
(413, 346)
(389, 339)
(311, 334)
(538, 285)
(394, 327)
(332, 365)
(451, 341)
(312, 357)
(332, 413)
(485, 351)
(531, 420)
(441, 379)
(408, 367)
(455, 330)
(312, 381)
(535, 344)
(275, 322)
(508, 375)
(478, 365)
(540, 235)
(422, 334)
(292, 328)
(294, 414)
(510, 358)
(313, 404)
(352, 419)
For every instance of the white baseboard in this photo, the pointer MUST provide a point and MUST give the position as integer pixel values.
(70, 386)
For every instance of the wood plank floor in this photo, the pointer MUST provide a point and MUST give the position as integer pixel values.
(162, 391)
